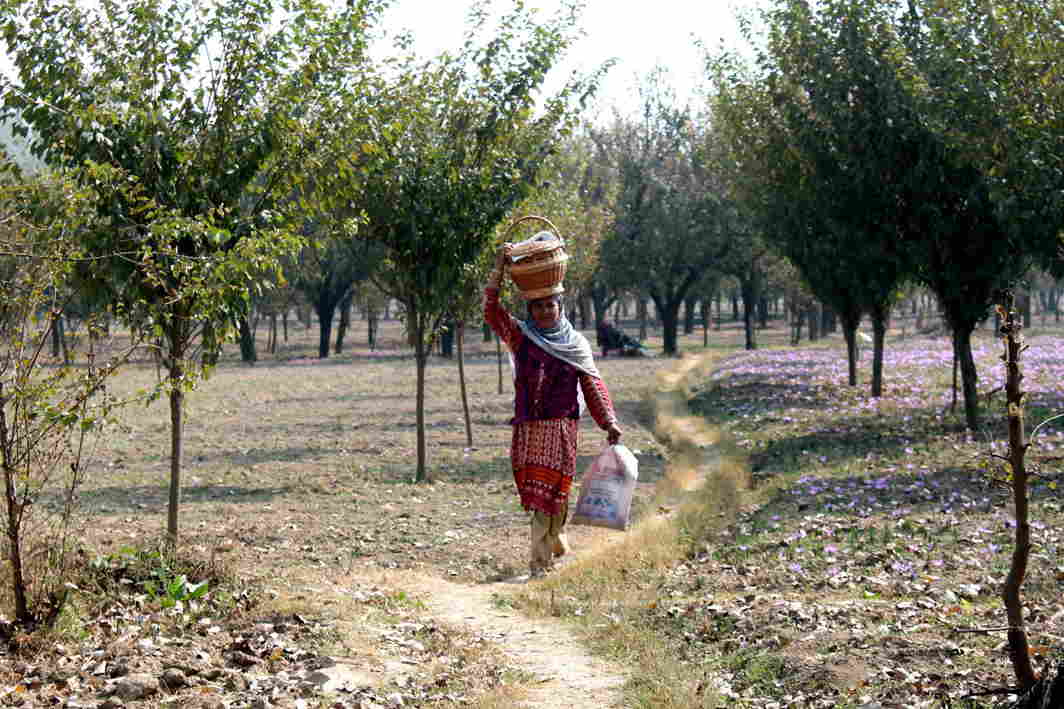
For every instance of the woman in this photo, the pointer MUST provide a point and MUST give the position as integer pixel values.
(554, 369)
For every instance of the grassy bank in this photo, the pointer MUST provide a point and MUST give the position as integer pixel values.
(863, 567)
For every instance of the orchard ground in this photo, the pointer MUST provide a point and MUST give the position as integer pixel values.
(858, 564)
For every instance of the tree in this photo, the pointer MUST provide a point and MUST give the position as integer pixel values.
(448, 151)
(991, 85)
(200, 109)
(847, 75)
(467, 301)
(49, 410)
(328, 268)
(815, 151)
(672, 221)
(576, 194)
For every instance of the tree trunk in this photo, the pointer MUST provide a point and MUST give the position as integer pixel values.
(248, 351)
(421, 355)
(642, 310)
(326, 310)
(670, 325)
(14, 516)
(57, 334)
(177, 401)
(345, 320)
(601, 303)
(880, 322)
(706, 311)
(689, 315)
(1046, 693)
(796, 332)
(459, 339)
(284, 324)
(853, 350)
(585, 312)
(749, 289)
(1019, 651)
(748, 327)
(486, 330)
(962, 347)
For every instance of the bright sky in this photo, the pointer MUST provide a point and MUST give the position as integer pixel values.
(638, 33)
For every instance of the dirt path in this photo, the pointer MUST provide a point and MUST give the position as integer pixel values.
(567, 676)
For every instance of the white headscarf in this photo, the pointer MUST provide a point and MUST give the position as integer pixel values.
(564, 342)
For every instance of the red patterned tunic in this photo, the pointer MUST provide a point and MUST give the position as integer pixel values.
(543, 450)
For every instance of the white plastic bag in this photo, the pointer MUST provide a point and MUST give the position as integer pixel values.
(607, 489)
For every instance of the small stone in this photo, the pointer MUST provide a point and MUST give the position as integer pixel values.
(317, 677)
(118, 669)
(80, 704)
(136, 687)
(242, 659)
(174, 678)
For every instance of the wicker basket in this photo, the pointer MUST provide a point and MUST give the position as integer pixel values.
(538, 265)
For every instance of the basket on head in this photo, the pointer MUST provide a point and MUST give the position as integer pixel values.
(538, 264)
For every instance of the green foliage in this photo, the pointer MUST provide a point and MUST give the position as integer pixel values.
(188, 120)
(186, 115)
(881, 145)
(992, 85)
(457, 145)
(445, 151)
(48, 410)
(576, 192)
(161, 577)
(672, 220)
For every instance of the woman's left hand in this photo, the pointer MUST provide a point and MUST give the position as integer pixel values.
(613, 434)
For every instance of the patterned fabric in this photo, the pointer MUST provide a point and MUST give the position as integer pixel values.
(599, 404)
(545, 387)
(543, 458)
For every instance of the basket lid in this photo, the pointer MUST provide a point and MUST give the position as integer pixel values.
(538, 243)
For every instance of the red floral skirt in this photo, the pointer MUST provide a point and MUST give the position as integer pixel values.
(543, 455)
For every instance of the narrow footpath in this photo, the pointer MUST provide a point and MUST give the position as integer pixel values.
(567, 675)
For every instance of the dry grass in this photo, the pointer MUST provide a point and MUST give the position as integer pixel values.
(608, 592)
(296, 458)
(297, 474)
